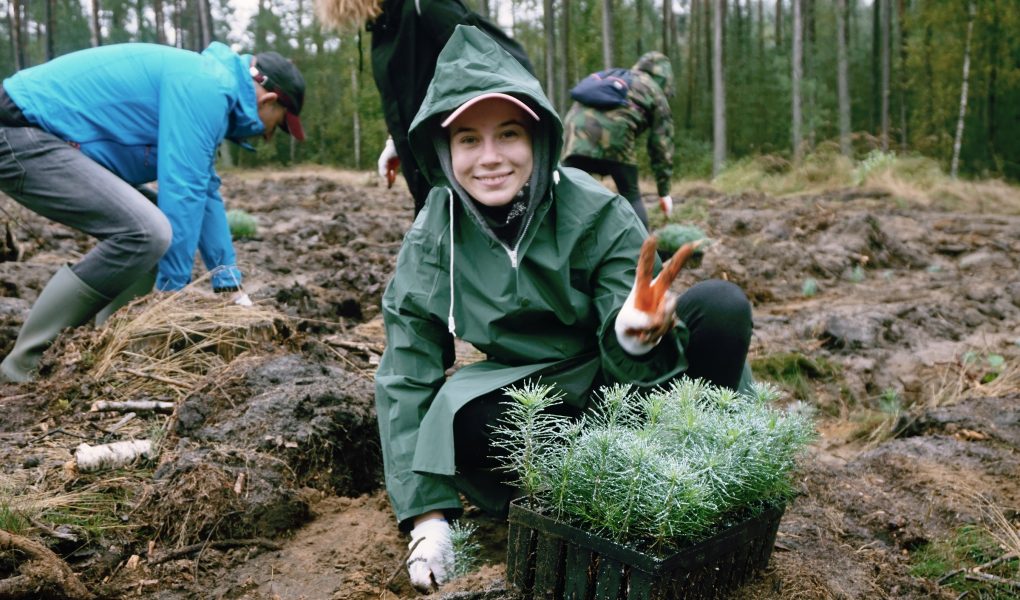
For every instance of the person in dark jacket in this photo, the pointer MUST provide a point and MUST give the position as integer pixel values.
(82, 135)
(534, 265)
(407, 36)
(603, 141)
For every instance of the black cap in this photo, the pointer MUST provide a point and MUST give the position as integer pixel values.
(279, 75)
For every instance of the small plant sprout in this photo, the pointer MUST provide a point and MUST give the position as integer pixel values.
(857, 274)
(242, 225)
(654, 470)
(809, 288)
(466, 550)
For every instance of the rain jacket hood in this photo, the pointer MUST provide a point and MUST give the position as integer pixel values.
(657, 65)
(471, 64)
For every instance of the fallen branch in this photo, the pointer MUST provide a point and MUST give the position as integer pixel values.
(218, 545)
(117, 454)
(43, 575)
(1005, 557)
(133, 405)
(987, 578)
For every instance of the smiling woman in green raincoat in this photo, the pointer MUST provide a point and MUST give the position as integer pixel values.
(536, 266)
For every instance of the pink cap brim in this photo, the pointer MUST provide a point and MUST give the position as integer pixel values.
(477, 99)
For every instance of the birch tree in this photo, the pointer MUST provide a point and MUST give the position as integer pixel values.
(958, 141)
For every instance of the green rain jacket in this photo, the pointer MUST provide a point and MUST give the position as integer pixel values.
(541, 308)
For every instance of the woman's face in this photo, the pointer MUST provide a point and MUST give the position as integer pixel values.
(490, 146)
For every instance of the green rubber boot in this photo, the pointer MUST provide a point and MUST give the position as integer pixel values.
(66, 301)
(141, 287)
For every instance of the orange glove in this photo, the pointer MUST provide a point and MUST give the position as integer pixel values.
(650, 310)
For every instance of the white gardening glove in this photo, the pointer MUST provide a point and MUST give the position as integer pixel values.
(432, 557)
(242, 299)
(650, 310)
(389, 162)
(666, 204)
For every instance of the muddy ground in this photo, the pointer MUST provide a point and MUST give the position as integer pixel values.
(906, 340)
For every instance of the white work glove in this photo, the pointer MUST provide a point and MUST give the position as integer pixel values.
(650, 310)
(666, 204)
(242, 299)
(389, 162)
(432, 557)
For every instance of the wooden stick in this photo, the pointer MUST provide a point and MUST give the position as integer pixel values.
(219, 545)
(403, 563)
(132, 405)
(985, 577)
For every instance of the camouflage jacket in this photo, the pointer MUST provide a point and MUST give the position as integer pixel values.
(612, 134)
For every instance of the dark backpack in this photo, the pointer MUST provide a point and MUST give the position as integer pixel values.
(604, 89)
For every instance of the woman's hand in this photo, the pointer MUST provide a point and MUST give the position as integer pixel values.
(649, 312)
(431, 557)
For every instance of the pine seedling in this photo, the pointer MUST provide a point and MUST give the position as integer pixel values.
(466, 550)
(242, 225)
(527, 433)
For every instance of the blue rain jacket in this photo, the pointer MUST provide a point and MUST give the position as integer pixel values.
(150, 113)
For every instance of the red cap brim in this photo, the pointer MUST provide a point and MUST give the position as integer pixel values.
(294, 127)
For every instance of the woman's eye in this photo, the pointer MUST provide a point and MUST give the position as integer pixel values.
(510, 134)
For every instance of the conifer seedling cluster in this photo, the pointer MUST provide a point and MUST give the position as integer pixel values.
(656, 470)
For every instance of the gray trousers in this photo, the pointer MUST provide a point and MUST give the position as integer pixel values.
(49, 177)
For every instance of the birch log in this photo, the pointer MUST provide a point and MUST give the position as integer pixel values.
(111, 456)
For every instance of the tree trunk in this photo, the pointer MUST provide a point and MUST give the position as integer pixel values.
(692, 60)
(639, 15)
(779, 23)
(566, 72)
(204, 37)
(356, 123)
(483, 9)
(993, 78)
(843, 79)
(810, 45)
(718, 90)
(17, 35)
(667, 19)
(761, 30)
(97, 31)
(607, 34)
(886, 68)
(178, 25)
(903, 76)
(876, 65)
(51, 29)
(958, 141)
(795, 80)
(549, 25)
(157, 9)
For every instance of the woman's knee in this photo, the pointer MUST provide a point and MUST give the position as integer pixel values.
(719, 301)
(155, 237)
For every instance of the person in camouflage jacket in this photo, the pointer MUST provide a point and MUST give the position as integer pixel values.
(603, 141)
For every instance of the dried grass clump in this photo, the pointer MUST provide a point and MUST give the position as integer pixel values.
(172, 342)
(336, 14)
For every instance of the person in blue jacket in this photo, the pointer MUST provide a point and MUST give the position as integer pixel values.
(81, 134)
